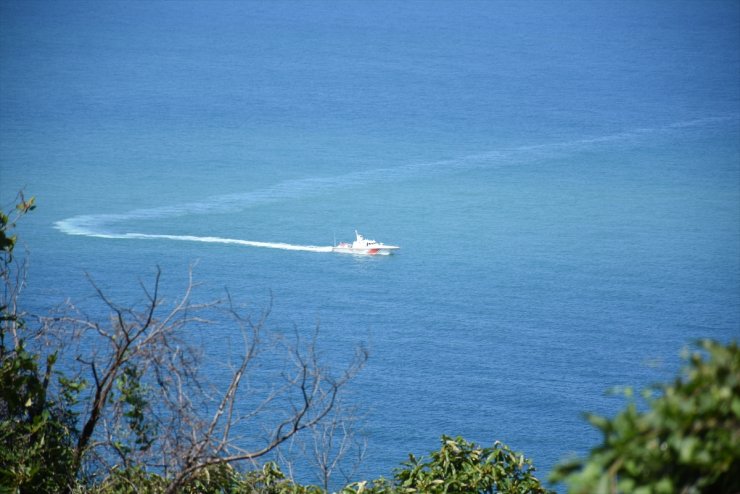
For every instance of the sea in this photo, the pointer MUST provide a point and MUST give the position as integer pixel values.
(563, 179)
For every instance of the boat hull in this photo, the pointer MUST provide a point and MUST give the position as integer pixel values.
(374, 251)
(364, 247)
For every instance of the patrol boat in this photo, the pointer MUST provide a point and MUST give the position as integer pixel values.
(364, 246)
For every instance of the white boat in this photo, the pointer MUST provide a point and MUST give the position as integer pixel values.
(364, 246)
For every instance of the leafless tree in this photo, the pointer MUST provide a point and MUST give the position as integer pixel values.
(332, 446)
(148, 404)
(337, 447)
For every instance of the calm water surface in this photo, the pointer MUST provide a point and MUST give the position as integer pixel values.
(562, 178)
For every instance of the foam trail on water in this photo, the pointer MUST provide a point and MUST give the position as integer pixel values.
(212, 240)
(234, 241)
(100, 225)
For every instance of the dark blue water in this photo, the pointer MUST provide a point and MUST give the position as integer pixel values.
(563, 179)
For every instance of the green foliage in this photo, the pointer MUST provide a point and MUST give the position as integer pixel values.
(7, 241)
(36, 432)
(460, 467)
(133, 480)
(688, 440)
(214, 479)
(271, 480)
(8, 317)
(132, 395)
(35, 439)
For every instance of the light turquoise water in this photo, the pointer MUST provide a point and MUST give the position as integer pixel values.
(562, 179)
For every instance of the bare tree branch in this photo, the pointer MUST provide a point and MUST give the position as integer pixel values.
(149, 405)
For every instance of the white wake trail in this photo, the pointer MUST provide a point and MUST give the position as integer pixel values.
(234, 241)
(212, 240)
(100, 225)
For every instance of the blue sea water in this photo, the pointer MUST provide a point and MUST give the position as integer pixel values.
(563, 179)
